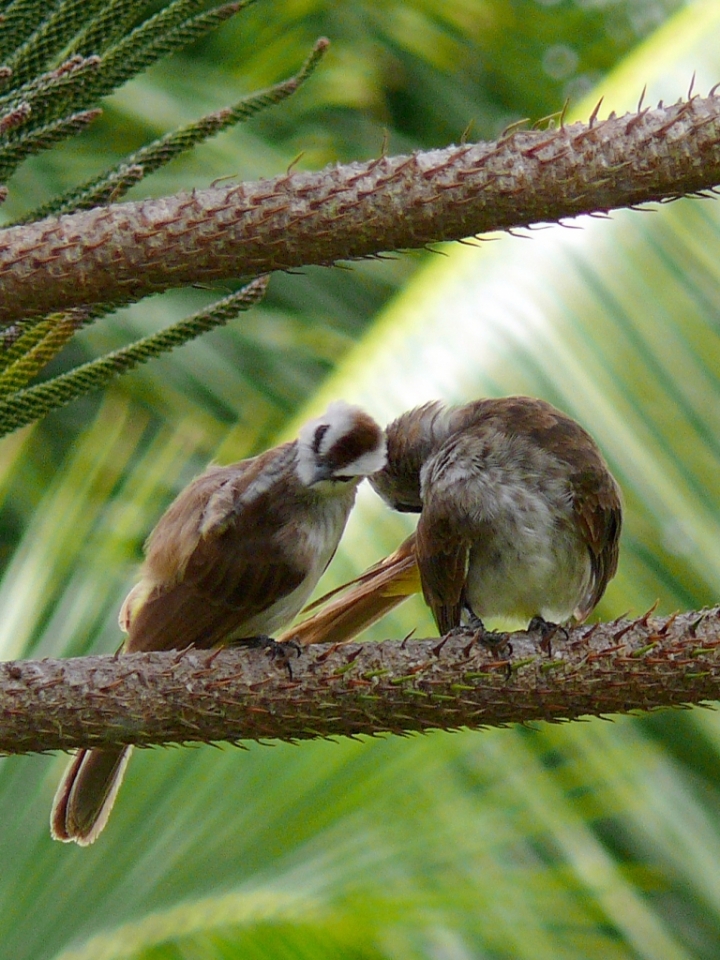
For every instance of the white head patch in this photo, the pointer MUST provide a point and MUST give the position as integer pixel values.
(344, 441)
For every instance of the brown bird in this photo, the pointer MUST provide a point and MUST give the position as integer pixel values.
(234, 558)
(520, 518)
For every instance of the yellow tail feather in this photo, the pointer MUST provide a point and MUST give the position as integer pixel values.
(345, 612)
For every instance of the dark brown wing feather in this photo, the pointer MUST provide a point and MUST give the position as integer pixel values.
(598, 514)
(442, 557)
(223, 588)
(596, 496)
(216, 558)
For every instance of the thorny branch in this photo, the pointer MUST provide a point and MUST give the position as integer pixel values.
(527, 176)
(389, 687)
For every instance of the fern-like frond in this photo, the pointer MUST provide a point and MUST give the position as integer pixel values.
(113, 183)
(58, 61)
(21, 19)
(47, 42)
(34, 402)
(50, 336)
(105, 29)
(52, 94)
(17, 149)
(172, 28)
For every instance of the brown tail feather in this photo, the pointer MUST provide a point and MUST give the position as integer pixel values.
(348, 610)
(86, 794)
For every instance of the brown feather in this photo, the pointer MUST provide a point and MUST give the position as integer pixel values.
(86, 794)
(598, 514)
(446, 533)
(351, 446)
(345, 612)
(442, 557)
(233, 557)
(192, 613)
(231, 563)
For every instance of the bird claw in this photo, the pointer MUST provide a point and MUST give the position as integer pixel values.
(547, 631)
(497, 643)
(277, 651)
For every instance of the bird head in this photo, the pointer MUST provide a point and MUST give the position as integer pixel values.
(344, 444)
(411, 439)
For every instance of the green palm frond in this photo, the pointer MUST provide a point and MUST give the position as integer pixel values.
(584, 840)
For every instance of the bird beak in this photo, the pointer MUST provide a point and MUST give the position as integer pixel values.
(322, 472)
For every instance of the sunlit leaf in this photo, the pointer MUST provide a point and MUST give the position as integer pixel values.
(584, 840)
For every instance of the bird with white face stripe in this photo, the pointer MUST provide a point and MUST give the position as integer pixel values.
(234, 558)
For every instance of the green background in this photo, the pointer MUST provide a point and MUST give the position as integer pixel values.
(590, 839)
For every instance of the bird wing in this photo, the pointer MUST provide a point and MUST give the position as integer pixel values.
(217, 558)
(597, 504)
(223, 589)
(598, 514)
(442, 556)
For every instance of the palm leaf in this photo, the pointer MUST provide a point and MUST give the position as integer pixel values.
(574, 841)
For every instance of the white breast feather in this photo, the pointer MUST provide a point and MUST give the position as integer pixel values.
(529, 558)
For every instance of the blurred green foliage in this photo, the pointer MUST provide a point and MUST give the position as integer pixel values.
(583, 840)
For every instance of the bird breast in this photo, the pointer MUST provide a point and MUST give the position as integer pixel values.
(517, 570)
(513, 502)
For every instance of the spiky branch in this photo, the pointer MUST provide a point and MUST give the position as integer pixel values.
(528, 176)
(389, 687)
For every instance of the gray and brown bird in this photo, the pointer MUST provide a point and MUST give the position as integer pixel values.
(234, 558)
(520, 519)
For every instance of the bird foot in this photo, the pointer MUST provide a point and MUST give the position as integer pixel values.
(497, 643)
(277, 651)
(548, 631)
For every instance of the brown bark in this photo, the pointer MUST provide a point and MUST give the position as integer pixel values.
(387, 687)
(358, 210)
